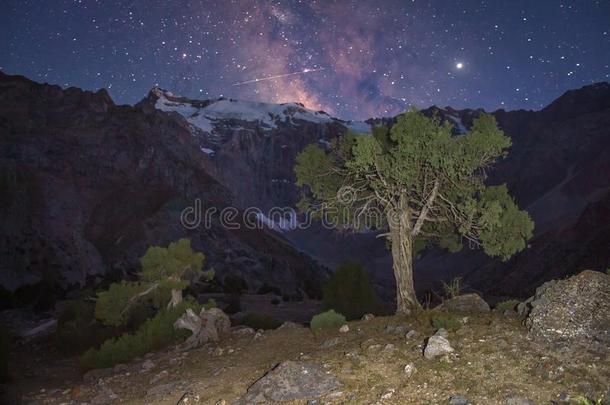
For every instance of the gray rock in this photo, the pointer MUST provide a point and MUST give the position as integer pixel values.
(409, 370)
(437, 346)
(458, 400)
(573, 310)
(469, 303)
(344, 329)
(105, 396)
(290, 325)
(148, 365)
(442, 332)
(327, 344)
(367, 317)
(243, 331)
(412, 334)
(92, 376)
(291, 381)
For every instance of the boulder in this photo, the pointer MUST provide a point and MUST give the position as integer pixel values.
(290, 381)
(471, 303)
(571, 310)
(437, 346)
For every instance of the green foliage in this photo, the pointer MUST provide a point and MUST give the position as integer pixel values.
(454, 288)
(327, 320)
(260, 321)
(113, 305)
(349, 292)
(445, 321)
(163, 270)
(211, 303)
(170, 263)
(507, 305)
(418, 170)
(78, 330)
(155, 333)
(583, 400)
(5, 342)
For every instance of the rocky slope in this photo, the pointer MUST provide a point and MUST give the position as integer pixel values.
(87, 185)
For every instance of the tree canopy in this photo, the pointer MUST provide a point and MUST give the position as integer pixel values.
(420, 182)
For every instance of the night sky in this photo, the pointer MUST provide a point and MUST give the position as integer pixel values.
(353, 59)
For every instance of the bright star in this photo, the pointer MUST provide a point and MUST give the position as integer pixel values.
(459, 65)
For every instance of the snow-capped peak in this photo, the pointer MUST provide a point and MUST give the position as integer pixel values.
(205, 115)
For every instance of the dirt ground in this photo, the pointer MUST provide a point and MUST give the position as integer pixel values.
(494, 360)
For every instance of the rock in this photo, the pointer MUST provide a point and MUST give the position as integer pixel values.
(367, 317)
(105, 396)
(389, 348)
(158, 377)
(412, 334)
(524, 308)
(327, 344)
(519, 401)
(289, 381)
(469, 303)
(344, 329)
(397, 329)
(244, 331)
(409, 370)
(458, 400)
(437, 346)
(290, 325)
(442, 332)
(389, 393)
(258, 335)
(121, 368)
(192, 398)
(573, 310)
(92, 376)
(147, 365)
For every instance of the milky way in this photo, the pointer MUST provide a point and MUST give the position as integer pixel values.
(378, 57)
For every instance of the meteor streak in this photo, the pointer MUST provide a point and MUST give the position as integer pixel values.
(262, 79)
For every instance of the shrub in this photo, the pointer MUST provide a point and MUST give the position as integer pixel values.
(445, 322)
(5, 342)
(78, 330)
(326, 320)
(155, 333)
(454, 288)
(261, 321)
(350, 292)
(508, 304)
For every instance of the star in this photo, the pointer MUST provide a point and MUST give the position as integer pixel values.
(459, 65)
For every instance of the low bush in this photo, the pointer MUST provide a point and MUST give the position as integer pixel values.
(78, 330)
(453, 288)
(327, 320)
(260, 321)
(508, 304)
(445, 322)
(350, 292)
(154, 334)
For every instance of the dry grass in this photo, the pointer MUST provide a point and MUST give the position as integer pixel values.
(494, 360)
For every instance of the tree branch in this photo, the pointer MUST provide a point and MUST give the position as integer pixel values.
(424, 211)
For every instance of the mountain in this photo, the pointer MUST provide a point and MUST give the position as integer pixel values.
(87, 185)
(557, 168)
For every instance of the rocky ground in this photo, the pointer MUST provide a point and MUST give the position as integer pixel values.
(380, 360)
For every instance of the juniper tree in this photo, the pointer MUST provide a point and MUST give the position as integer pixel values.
(420, 184)
(165, 273)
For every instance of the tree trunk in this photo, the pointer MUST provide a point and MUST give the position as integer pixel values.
(176, 298)
(402, 263)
